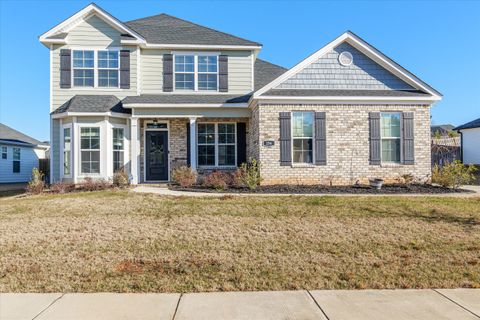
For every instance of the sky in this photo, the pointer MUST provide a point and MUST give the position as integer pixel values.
(436, 40)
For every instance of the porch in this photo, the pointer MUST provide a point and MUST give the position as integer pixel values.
(160, 144)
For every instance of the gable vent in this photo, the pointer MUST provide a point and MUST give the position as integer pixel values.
(345, 58)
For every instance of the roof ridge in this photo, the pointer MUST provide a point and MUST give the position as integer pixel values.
(195, 24)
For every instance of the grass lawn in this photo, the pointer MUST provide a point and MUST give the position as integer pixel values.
(124, 242)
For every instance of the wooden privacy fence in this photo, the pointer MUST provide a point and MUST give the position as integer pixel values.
(445, 150)
(44, 167)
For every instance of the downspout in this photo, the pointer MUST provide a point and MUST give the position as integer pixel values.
(461, 145)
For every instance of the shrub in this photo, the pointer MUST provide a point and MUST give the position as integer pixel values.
(62, 187)
(408, 178)
(251, 174)
(454, 174)
(121, 179)
(90, 184)
(184, 176)
(36, 184)
(237, 179)
(218, 180)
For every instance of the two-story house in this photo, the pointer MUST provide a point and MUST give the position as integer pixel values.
(153, 93)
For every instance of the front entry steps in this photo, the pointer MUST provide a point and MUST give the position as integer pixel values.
(162, 185)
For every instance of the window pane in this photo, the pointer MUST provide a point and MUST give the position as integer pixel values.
(207, 82)
(226, 155)
(16, 166)
(184, 64)
(83, 78)
(303, 150)
(302, 124)
(16, 153)
(108, 78)
(390, 125)
(206, 155)
(184, 81)
(391, 150)
(226, 133)
(66, 162)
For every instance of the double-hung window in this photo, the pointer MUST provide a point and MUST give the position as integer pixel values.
(4, 153)
(108, 69)
(216, 144)
(302, 136)
(83, 68)
(67, 147)
(390, 132)
(90, 149)
(118, 149)
(196, 72)
(16, 160)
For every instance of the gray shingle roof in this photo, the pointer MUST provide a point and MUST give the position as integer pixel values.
(92, 103)
(11, 135)
(166, 29)
(266, 72)
(469, 125)
(343, 93)
(187, 98)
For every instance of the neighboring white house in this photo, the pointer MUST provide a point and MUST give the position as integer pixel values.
(19, 154)
(470, 133)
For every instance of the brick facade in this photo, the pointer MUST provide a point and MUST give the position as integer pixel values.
(347, 146)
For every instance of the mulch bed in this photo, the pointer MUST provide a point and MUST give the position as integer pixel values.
(310, 189)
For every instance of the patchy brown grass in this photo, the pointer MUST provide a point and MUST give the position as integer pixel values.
(124, 242)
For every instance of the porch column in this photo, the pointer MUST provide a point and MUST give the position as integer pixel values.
(135, 150)
(193, 143)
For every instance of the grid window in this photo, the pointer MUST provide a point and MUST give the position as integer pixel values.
(108, 67)
(302, 133)
(4, 153)
(185, 72)
(83, 68)
(216, 144)
(90, 150)
(226, 144)
(16, 160)
(118, 149)
(207, 72)
(67, 140)
(206, 144)
(390, 132)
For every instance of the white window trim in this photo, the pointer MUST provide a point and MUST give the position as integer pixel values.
(95, 68)
(19, 159)
(125, 151)
(302, 164)
(62, 144)
(217, 166)
(391, 138)
(84, 174)
(195, 71)
(145, 129)
(4, 150)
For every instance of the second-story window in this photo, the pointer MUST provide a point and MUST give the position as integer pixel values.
(83, 68)
(108, 69)
(196, 72)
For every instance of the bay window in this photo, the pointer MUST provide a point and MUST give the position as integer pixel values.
(67, 140)
(390, 133)
(302, 136)
(90, 150)
(108, 69)
(216, 144)
(83, 68)
(196, 72)
(118, 149)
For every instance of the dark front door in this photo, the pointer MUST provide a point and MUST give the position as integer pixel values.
(156, 155)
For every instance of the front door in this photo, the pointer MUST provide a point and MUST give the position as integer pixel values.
(156, 155)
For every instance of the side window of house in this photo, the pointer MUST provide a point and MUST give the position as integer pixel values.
(90, 150)
(302, 136)
(83, 68)
(390, 133)
(4, 153)
(16, 160)
(216, 143)
(66, 151)
(108, 69)
(196, 72)
(118, 149)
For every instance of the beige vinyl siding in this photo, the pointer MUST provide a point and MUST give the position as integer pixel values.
(96, 34)
(239, 71)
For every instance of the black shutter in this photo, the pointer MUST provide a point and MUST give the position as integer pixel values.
(285, 139)
(223, 73)
(125, 69)
(189, 161)
(320, 139)
(241, 143)
(65, 68)
(167, 72)
(408, 138)
(374, 123)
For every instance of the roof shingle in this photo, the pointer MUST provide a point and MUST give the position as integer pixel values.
(12, 135)
(92, 103)
(469, 125)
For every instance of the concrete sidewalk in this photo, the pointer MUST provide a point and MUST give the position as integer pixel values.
(319, 304)
(164, 191)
